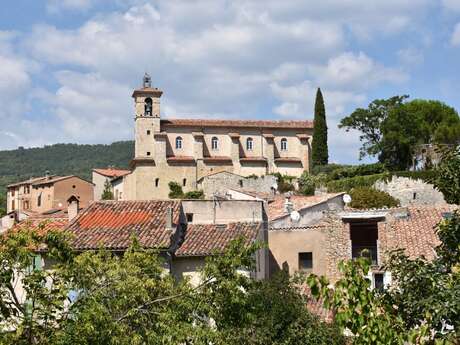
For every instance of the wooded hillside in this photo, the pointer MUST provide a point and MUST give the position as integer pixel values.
(61, 159)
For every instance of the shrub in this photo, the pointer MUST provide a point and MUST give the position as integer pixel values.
(363, 198)
(307, 184)
(327, 169)
(194, 194)
(346, 184)
(284, 183)
(175, 190)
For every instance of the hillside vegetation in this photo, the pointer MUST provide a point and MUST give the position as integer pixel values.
(61, 159)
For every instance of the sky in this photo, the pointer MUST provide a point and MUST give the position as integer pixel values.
(68, 67)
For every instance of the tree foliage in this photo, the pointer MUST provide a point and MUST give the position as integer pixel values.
(447, 176)
(392, 128)
(320, 153)
(107, 193)
(307, 184)
(101, 297)
(365, 198)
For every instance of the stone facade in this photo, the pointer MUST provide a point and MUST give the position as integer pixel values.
(48, 192)
(186, 150)
(411, 192)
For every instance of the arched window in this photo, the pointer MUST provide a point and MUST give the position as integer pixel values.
(148, 107)
(157, 182)
(249, 144)
(184, 182)
(178, 142)
(214, 143)
(284, 144)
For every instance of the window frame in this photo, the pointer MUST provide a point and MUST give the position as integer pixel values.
(179, 143)
(215, 143)
(249, 144)
(300, 266)
(283, 144)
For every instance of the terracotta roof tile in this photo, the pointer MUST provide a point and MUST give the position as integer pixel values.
(42, 225)
(237, 123)
(416, 234)
(206, 239)
(111, 224)
(112, 172)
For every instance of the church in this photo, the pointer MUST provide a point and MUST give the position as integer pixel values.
(186, 150)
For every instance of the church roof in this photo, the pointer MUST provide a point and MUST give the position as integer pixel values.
(237, 123)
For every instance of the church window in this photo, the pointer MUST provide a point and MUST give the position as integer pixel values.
(184, 182)
(148, 107)
(148, 131)
(178, 142)
(284, 144)
(249, 144)
(157, 182)
(148, 153)
(214, 143)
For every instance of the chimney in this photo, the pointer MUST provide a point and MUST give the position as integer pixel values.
(288, 205)
(47, 174)
(169, 218)
(73, 205)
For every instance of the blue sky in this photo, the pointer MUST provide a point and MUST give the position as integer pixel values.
(68, 67)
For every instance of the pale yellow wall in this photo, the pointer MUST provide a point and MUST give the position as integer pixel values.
(47, 196)
(99, 183)
(188, 268)
(187, 143)
(285, 247)
(75, 186)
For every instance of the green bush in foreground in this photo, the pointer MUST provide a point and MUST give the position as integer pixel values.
(363, 198)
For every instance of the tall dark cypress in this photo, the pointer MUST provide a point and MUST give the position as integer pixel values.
(320, 154)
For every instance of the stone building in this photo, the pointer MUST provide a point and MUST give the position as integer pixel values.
(46, 193)
(101, 176)
(186, 150)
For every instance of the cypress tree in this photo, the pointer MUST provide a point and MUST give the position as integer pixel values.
(320, 154)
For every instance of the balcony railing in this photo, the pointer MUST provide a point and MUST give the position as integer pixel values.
(365, 251)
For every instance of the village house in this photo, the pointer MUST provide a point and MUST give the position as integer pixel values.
(41, 194)
(108, 175)
(186, 150)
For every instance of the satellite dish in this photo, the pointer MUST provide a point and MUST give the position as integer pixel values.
(275, 186)
(295, 216)
(346, 198)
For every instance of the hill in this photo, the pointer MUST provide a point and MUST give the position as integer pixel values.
(61, 159)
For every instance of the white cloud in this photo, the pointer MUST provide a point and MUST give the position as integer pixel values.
(55, 6)
(213, 58)
(455, 39)
(453, 5)
(356, 72)
(410, 56)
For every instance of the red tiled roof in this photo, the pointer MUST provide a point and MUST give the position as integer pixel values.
(276, 210)
(29, 181)
(217, 159)
(206, 239)
(287, 160)
(180, 159)
(253, 159)
(111, 224)
(42, 225)
(112, 172)
(237, 123)
(416, 234)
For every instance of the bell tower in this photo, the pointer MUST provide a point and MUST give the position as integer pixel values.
(147, 118)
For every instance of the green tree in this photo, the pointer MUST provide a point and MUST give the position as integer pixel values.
(392, 128)
(107, 193)
(320, 153)
(307, 184)
(175, 190)
(365, 198)
(447, 175)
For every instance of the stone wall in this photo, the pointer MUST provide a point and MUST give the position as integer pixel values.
(411, 192)
(221, 182)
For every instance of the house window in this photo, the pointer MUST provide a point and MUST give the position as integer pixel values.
(148, 153)
(39, 200)
(284, 144)
(13, 205)
(414, 196)
(184, 182)
(12, 192)
(214, 143)
(178, 142)
(249, 144)
(240, 182)
(148, 131)
(364, 237)
(378, 281)
(305, 261)
(157, 182)
(148, 107)
(189, 217)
